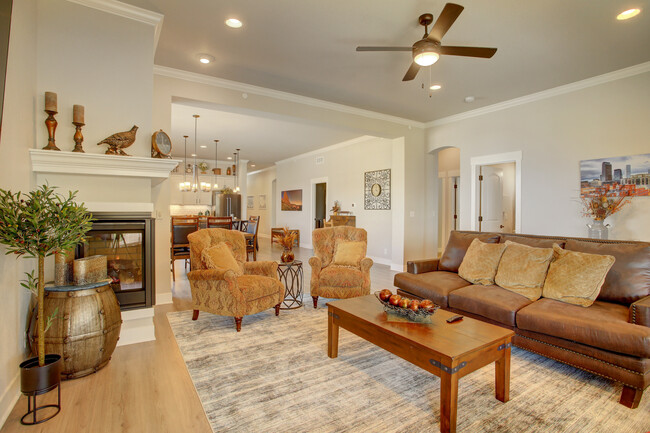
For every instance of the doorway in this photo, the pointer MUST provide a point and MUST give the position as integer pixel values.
(496, 193)
(321, 205)
(274, 200)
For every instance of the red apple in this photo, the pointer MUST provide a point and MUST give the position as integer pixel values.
(385, 295)
(414, 305)
(394, 299)
(426, 303)
(431, 309)
(404, 302)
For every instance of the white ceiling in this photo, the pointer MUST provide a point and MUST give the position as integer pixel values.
(262, 137)
(307, 47)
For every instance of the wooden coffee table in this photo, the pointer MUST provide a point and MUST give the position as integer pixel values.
(448, 350)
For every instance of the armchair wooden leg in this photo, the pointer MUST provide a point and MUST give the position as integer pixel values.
(238, 323)
(173, 271)
(277, 309)
(195, 315)
(631, 397)
(315, 298)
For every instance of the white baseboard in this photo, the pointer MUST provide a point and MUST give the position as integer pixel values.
(381, 261)
(163, 298)
(399, 267)
(137, 327)
(9, 398)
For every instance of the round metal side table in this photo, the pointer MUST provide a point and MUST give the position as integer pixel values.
(291, 275)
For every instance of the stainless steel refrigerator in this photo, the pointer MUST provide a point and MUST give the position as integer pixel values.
(226, 204)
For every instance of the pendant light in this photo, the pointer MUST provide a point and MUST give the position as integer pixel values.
(195, 171)
(237, 170)
(185, 185)
(215, 186)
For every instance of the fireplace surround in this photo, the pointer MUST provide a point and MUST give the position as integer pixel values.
(127, 241)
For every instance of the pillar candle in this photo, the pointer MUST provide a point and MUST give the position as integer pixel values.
(78, 113)
(50, 101)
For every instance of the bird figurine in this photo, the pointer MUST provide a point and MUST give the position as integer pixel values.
(119, 141)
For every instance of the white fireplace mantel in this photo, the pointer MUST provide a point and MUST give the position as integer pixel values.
(51, 161)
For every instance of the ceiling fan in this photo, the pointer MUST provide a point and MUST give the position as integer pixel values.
(427, 50)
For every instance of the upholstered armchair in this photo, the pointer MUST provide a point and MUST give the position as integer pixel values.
(244, 288)
(336, 270)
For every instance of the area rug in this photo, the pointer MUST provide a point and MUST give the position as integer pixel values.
(275, 376)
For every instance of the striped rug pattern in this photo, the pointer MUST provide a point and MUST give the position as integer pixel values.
(275, 376)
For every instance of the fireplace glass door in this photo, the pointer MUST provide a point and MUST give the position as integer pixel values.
(123, 244)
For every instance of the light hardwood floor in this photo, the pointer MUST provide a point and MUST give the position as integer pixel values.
(146, 386)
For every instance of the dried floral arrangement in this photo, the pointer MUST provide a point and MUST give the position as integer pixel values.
(203, 166)
(336, 208)
(286, 238)
(604, 202)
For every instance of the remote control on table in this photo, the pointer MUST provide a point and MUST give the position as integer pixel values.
(455, 319)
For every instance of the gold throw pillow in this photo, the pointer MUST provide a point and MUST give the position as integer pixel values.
(522, 269)
(481, 262)
(349, 253)
(576, 278)
(220, 257)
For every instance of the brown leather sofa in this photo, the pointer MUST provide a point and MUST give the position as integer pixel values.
(610, 338)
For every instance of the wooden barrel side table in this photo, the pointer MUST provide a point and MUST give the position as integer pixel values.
(85, 330)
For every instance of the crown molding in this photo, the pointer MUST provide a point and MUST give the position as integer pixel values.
(285, 96)
(329, 148)
(128, 11)
(544, 94)
(261, 170)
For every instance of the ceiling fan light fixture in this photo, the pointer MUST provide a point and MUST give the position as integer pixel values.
(425, 53)
(626, 15)
(426, 58)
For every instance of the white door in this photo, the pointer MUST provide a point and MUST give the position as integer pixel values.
(491, 199)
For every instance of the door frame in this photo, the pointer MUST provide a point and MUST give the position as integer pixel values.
(312, 208)
(497, 158)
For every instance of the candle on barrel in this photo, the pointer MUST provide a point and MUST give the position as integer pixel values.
(50, 122)
(50, 101)
(78, 114)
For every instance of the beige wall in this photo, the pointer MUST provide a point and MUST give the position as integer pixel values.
(260, 183)
(18, 135)
(554, 135)
(418, 189)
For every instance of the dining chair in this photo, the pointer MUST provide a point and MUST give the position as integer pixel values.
(220, 222)
(181, 227)
(251, 240)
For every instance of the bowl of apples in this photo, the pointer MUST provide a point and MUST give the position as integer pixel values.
(412, 309)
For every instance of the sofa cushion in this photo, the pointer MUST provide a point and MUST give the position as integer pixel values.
(480, 263)
(493, 302)
(522, 269)
(457, 247)
(533, 241)
(603, 325)
(254, 287)
(574, 277)
(430, 285)
(629, 278)
(340, 276)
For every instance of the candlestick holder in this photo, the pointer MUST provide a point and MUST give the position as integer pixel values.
(51, 124)
(78, 137)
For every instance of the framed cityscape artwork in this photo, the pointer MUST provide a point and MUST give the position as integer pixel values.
(376, 194)
(621, 175)
(291, 200)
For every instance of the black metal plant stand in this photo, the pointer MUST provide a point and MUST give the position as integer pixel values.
(291, 275)
(32, 408)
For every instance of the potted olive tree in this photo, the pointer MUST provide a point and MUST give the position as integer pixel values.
(37, 225)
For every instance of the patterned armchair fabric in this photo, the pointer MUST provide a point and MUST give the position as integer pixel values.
(333, 281)
(221, 292)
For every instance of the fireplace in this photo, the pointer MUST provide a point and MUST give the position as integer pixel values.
(127, 241)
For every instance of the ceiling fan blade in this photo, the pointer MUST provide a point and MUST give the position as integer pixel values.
(468, 51)
(447, 17)
(412, 72)
(384, 49)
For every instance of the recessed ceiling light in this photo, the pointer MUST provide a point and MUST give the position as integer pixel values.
(205, 58)
(230, 157)
(630, 13)
(203, 147)
(252, 165)
(469, 99)
(194, 154)
(435, 87)
(234, 23)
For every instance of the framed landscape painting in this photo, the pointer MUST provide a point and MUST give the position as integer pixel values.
(291, 200)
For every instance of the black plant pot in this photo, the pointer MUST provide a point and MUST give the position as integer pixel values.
(35, 380)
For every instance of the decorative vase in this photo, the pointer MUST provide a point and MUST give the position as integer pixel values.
(228, 172)
(598, 230)
(287, 256)
(216, 171)
(63, 267)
